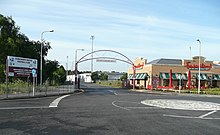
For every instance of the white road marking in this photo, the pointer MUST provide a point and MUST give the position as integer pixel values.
(56, 101)
(17, 108)
(113, 92)
(182, 104)
(202, 116)
(113, 103)
(190, 117)
(130, 107)
(139, 107)
(130, 102)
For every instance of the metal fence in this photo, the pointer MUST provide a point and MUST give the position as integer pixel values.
(28, 91)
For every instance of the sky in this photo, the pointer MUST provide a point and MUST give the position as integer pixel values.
(151, 29)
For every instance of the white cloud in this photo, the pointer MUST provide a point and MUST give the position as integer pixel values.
(147, 35)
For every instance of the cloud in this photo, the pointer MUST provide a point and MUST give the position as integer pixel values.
(133, 33)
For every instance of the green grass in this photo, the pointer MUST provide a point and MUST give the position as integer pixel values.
(113, 83)
(15, 87)
(22, 87)
(210, 91)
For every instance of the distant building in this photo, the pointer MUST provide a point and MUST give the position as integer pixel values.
(115, 75)
(85, 77)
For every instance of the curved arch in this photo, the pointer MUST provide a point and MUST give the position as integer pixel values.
(82, 60)
(131, 62)
(106, 58)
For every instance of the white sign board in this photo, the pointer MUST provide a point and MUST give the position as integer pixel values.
(105, 60)
(18, 66)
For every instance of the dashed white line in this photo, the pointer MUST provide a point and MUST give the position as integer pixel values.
(56, 101)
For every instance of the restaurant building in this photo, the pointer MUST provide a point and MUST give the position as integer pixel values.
(172, 73)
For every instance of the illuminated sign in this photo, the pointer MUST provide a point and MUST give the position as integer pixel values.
(18, 66)
(196, 66)
(139, 66)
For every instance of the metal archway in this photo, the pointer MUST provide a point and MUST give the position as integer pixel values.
(83, 60)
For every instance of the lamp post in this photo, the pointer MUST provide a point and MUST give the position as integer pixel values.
(76, 76)
(92, 38)
(41, 57)
(199, 65)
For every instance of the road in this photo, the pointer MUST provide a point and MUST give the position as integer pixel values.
(108, 111)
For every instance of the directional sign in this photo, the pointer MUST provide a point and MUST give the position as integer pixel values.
(18, 66)
(34, 72)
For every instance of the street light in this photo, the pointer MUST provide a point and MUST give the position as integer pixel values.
(41, 56)
(92, 38)
(76, 53)
(199, 65)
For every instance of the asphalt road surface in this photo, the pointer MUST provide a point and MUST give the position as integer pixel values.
(107, 111)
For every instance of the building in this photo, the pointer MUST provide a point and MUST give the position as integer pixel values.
(115, 75)
(172, 73)
(85, 77)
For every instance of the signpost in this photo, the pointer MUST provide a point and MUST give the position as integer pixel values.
(34, 75)
(20, 67)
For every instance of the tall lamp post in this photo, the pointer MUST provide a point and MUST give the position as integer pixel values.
(41, 57)
(92, 38)
(199, 65)
(76, 68)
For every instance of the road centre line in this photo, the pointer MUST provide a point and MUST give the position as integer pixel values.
(56, 101)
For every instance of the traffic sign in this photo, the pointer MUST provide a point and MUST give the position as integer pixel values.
(34, 72)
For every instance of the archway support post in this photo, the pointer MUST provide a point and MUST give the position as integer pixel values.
(76, 75)
(134, 76)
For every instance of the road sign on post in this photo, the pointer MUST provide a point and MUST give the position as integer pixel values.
(20, 67)
(34, 71)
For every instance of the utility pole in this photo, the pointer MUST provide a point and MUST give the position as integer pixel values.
(92, 38)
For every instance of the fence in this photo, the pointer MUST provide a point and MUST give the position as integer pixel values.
(27, 90)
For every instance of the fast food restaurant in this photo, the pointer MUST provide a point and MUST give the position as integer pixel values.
(172, 73)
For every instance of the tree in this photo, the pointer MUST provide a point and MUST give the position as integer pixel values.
(95, 76)
(124, 77)
(59, 76)
(104, 76)
(15, 43)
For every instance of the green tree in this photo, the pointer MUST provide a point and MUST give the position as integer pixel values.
(95, 76)
(59, 76)
(124, 77)
(104, 76)
(15, 43)
(48, 70)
